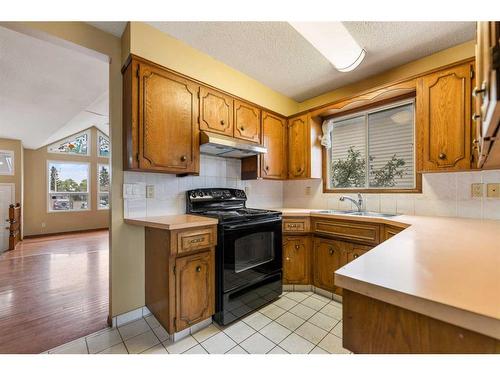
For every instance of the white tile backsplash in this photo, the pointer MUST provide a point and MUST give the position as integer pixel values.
(443, 194)
(169, 197)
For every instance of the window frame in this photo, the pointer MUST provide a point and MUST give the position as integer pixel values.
(88, 132)
(366, 111)
(98, 187)
(88, 192)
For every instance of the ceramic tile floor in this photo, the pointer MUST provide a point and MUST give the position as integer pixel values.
(297, 323)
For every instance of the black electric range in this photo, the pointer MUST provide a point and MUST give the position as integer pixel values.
(248, 253)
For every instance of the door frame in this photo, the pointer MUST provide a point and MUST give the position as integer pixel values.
(12, 196)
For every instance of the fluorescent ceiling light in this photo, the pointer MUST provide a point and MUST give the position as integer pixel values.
(334, 42)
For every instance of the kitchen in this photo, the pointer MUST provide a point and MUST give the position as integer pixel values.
(353, 211)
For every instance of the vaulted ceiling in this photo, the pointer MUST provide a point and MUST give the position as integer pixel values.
(49, 91)
(279, 57)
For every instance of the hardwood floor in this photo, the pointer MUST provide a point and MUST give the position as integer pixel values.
(53, 290)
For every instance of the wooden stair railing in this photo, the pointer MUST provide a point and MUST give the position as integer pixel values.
(15, 225)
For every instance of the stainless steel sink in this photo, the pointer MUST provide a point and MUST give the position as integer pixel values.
(370, 213)
(356, 213)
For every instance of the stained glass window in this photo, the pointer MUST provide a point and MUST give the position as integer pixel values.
(77, 144)
(103, 145)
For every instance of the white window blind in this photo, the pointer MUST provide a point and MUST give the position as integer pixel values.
(373, 149)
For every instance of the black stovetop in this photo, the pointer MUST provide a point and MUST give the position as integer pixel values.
(227, 205)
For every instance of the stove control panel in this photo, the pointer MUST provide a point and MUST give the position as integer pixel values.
(216, 194)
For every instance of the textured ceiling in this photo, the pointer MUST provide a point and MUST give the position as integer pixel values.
(276, 55)
(47, 91)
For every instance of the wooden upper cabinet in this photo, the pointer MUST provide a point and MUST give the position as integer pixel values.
(297, 260)
(216, 112)
(444, 119)
(160, 120)
(299, 149)
(273, 163)
(246, 122)
(194, 287)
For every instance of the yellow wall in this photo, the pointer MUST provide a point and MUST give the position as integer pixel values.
(436, 60)
(37, 219)
(156, 46)
(17, 179)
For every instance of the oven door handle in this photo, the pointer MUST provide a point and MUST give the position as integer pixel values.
(250, 224)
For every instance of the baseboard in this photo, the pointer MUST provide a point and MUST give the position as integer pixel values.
(311, 288)
(28, 236)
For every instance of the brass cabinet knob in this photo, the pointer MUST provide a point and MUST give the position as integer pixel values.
(297, 247)
(300, 170)
(476, 117)
(287, 258)
(242, 128)
(222, 122)
(330, 251)
(355, 256)
(267, 167)
(183, 158)
(198, 269)
(442, 156)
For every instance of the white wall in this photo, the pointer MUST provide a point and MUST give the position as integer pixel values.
(443, 194)
(214, 172)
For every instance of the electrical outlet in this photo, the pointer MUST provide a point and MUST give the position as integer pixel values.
(477, 190)
(150, 191)
(493, 190)
(308, 190)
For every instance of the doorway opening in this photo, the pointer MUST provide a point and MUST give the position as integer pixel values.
(55, 166)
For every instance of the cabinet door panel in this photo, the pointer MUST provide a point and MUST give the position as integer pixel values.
(273, 165)
(354, 251)
(296, 260)
(298, 147)
(444, 108)
(168, 110)
(216, 112)
(246, 122)
(194, 286)
(328, 256)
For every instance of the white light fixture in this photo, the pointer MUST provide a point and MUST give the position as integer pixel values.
(334, 42)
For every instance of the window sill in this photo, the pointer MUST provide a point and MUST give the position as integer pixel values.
(374, 191)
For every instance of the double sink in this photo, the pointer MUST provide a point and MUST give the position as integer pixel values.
(356, 213)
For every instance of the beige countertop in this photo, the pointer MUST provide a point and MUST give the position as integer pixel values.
(171, 222)
(446, 268)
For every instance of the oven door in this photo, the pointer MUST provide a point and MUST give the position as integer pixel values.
(252, 251)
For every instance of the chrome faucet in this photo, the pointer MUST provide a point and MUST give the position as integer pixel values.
(358, 203)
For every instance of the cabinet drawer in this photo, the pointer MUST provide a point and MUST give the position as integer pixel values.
(296, 225)
(195, 239)
(348, 230)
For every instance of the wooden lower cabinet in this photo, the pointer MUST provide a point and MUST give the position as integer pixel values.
(327, 258)
(354, 251)
(297, 260)
(180, 284)
(194, 288)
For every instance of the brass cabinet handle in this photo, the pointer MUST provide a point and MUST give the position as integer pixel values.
(476, 117)
(442, 156)
(183, 158)
(297, 247)
(477, 91)
(198, 269)
(330, 251)
(196, 240)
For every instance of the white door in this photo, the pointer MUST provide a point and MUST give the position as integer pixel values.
(6, 199)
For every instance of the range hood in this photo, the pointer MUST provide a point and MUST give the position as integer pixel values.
(228, 147)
